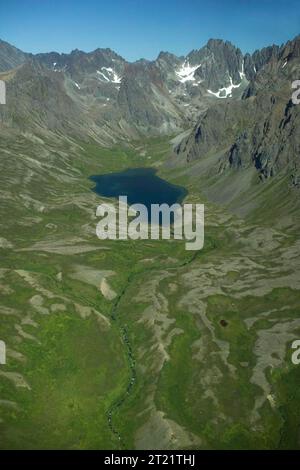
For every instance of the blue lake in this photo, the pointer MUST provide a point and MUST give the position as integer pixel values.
(140, 185)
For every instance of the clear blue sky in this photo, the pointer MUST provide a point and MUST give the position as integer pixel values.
(141, 28)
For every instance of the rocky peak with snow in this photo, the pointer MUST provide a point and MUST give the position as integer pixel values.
(161, 96)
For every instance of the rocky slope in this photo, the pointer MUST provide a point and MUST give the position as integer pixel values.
(261, 130)
(10, 56)
(129, 99)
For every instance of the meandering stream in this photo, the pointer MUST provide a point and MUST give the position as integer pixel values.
(129, 351)
(141, 186)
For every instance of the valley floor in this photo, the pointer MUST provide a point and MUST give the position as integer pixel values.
(139, 344)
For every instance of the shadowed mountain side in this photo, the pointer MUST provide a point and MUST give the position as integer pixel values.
(260, 133)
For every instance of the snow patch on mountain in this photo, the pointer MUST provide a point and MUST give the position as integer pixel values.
(225, 92)
(242, 73)
(186, 72)
(109, 75)
(104, 76)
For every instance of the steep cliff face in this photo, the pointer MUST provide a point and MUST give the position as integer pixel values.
(272, 143)
(220, 64)
(253, 63)
(261, 130)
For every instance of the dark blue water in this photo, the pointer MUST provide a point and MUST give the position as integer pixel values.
(140, 185)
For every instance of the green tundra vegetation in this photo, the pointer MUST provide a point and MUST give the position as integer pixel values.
(142, 344)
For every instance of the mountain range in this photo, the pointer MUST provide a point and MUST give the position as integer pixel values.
(226, 99)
